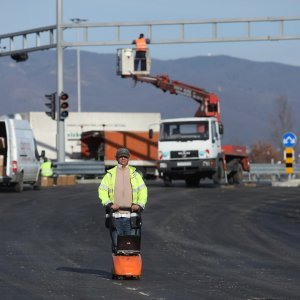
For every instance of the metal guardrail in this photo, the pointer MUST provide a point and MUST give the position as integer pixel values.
(272, 168)
(274, 172)
(97, 168)
(80, 168)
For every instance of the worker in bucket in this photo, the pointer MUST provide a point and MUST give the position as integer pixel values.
(122, 186)
(140, 52)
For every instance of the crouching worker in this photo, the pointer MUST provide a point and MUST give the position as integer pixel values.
(47, 170)
(122, 191)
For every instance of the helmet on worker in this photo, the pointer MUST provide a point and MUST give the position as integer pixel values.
(122, 152)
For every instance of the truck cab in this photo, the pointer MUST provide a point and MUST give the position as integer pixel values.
(190, 149)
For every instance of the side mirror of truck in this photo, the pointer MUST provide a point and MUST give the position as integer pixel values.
(150, 133)
(221, 129)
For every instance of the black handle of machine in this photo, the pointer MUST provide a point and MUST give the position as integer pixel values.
(125, 208)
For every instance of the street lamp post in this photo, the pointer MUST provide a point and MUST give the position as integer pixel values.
(78, 21)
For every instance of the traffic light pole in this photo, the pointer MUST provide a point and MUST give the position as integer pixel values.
(60, 138)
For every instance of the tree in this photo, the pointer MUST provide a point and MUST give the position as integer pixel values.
(264, 153)
(282, 120)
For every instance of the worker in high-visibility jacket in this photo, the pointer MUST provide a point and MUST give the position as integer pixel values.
(47, 168)
(140, 52)
(122, 191)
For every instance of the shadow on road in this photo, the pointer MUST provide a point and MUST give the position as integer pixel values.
(100, 273)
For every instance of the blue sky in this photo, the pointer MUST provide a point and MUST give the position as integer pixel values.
(17, 15)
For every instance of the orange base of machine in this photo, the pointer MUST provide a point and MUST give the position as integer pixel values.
(127, 266)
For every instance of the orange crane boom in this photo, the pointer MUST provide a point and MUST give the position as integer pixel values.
(209, 104)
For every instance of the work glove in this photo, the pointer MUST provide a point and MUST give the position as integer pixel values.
(108, 207)
(136, 208)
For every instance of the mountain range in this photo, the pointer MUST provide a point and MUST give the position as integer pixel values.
(247, 90)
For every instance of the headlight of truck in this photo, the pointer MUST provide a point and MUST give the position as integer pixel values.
(206, 163)
(163, 155)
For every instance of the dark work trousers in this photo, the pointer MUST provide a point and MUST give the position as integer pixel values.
(140, 56)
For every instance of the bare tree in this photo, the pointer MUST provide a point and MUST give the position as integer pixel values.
(282, 120)
(264, 153)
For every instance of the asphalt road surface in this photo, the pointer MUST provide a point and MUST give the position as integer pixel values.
(197, 243)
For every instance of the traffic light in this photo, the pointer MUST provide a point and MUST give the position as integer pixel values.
(63, 106)
(51, 105)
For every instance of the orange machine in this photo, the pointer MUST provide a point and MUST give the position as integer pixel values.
(128, 266)
(126, 256)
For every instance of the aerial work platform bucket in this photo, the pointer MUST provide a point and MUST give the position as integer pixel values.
(126, 63)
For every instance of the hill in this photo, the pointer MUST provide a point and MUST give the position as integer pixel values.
(247, 89)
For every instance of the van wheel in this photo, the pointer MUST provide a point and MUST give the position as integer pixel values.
(19, 186)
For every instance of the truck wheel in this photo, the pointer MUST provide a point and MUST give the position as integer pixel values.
(238, 175)
(19, 186)
(192, 181)
(219, 175)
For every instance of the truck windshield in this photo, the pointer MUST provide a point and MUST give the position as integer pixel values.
(184, 131)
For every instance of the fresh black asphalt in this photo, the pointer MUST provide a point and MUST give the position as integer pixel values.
(197, 243)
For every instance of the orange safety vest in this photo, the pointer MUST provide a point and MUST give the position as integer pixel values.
(141, 44)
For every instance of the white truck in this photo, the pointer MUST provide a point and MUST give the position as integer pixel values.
(190, 148)
(19, 160)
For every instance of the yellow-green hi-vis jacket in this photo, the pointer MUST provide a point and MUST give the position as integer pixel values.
(46, 169)
(107, 185)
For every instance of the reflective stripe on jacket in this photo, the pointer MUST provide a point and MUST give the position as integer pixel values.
(141, 44)
(107, 185)
(46, 169)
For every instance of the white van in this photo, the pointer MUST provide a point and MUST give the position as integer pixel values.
(19, 160)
